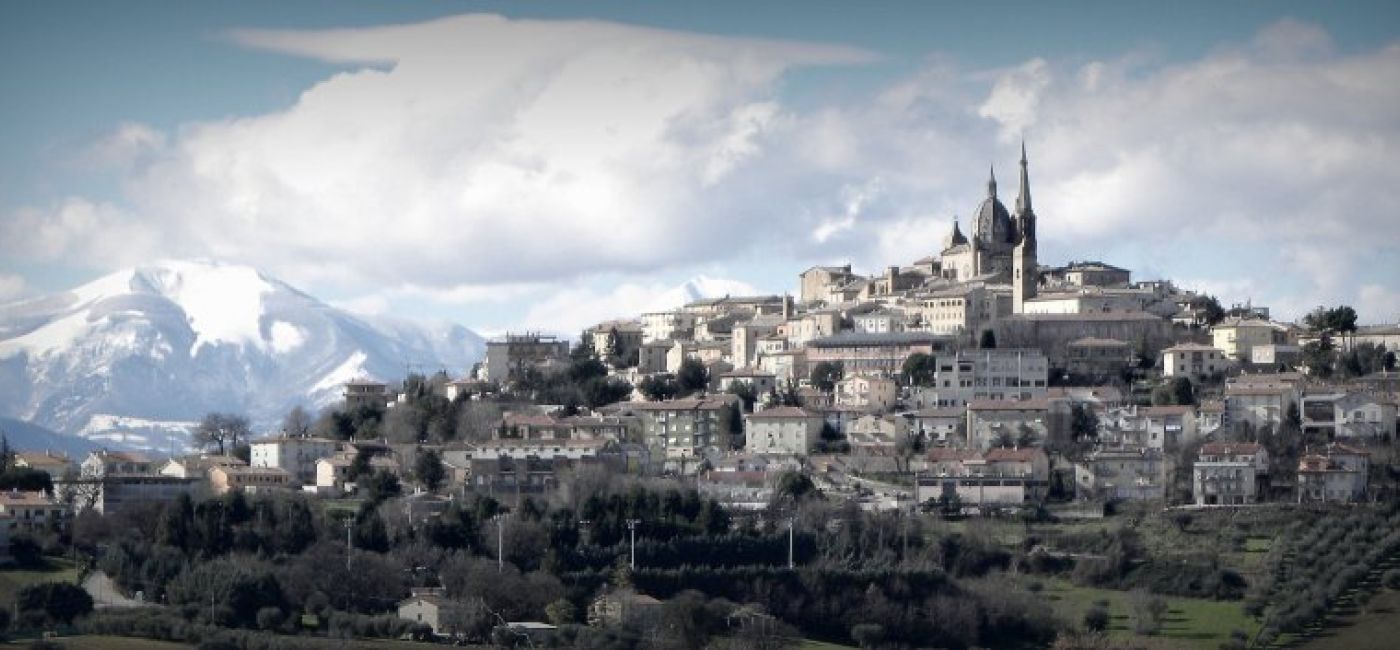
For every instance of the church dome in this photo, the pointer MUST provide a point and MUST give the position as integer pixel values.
(992, 223)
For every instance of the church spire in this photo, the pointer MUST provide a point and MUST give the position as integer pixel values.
(992, 182)
(958, 237)
(1023, 197)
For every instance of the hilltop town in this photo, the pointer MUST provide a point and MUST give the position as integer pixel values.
(974, 415)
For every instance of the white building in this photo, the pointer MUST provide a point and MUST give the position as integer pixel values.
(866, 392)
(1194, 361)
(1337, 474)
(1229, 473)
(297, 456)
(782, 430)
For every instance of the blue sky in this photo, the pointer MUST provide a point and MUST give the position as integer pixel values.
(608, 161)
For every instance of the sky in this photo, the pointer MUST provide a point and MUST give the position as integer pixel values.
(546, 165)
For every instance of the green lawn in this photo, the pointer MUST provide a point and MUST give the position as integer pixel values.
(1190, 622)
(1377, 625)
(810, 644)
(12, 579)
(93, 642)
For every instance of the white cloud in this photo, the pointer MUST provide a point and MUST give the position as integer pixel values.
(12, 286)
(462, 155)
(574, 307)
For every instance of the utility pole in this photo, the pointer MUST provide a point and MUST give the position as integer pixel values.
(349, 527)
(632, 526)
(500, 543)
(583, 523)
(791, 522)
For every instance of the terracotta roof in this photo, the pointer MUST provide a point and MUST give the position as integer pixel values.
(948, 454)
(1192, 347)
(1157, 411)
(23, 498)
(782, 412)
(1008, 405)
(1230, 449)
(947, 412)
(1005, 454)
(36, 458)
(1091, 342)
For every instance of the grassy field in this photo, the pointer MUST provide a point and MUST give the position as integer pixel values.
(93, 642)
(12, 580)
(1190, 622)
(1377, 625)
(809, 644)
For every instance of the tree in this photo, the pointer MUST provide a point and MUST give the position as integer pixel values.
(692, 377)
(988, 340)
(1083, 422)
(1319, 357)
(1337, 320)
(297, 422)
(1096, 619)
(825, 374)
(52, 602)
(658, 387)
(601, 391)
(745, 392)
(1211, 313)
(221, 429)
(429, 470)
(919, 369)
(1177, 392)
(560, 612)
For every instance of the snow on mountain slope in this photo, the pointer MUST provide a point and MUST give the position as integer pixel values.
(139, 352)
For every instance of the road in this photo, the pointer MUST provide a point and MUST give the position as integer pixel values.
(105, 593)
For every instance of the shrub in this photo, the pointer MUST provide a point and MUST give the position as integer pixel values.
(867, 634)
(1096, 619)
(1392, 579)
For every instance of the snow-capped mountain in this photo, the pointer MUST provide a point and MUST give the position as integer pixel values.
(134, 357)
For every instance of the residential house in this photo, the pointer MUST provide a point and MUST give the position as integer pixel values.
(992, 422)
(228, 478)
(996, 374)
(760, 381)
(509, 357)
(782, 430)
(939, 425)
(1098, 357)
(103, 462)
(616, 606)
(1236, 337)
(866, 392)
(197, 466)
(1131, 473)
(880, 354)
(33, 511)
(56, 465)
(295, 455)
(1194, 361)
(535, 465)
(1336, 474)
(366, 392)
(1001, 476)
(1259, 403)
(687, 429)
(333, 472)
(1229, 473)
(433, 608)
(1348, 415)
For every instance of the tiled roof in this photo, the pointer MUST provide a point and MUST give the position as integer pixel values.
(1008, 405)
(782, 412)
(1230, 449)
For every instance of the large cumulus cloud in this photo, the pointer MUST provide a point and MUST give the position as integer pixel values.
(474, 152)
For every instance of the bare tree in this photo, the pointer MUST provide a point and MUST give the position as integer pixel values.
(298, 422)
(222, 429)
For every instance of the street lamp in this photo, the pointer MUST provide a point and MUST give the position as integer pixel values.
(791, 522)
(632, 526)
(500, 542)
(349, 544)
